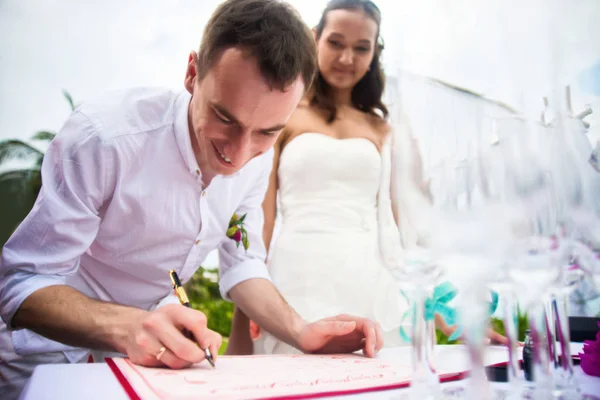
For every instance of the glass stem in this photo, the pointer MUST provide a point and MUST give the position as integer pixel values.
(564, 371)
(425, 382)
(430, 344)
(511, 330)
(551, 331)
(474, 319)
(541, 370)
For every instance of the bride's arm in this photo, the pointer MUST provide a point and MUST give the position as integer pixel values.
(240, 341)
(270, 201)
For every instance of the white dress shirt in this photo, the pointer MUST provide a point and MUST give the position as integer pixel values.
(122, 203)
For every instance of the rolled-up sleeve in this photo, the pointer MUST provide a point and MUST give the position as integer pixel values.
(64, 220)
(236, 264)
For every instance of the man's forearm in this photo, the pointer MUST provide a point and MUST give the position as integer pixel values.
(66, 315)
(262, 303)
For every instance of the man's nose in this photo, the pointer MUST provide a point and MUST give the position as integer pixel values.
(239, 147)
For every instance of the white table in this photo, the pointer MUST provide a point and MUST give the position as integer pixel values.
(97, 382)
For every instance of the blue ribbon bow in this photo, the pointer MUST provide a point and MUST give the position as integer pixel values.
(438, 304)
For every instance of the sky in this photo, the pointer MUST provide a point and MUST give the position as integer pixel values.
(497, 48)
(511, 51)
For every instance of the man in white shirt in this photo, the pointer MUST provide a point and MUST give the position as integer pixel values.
(145, 180)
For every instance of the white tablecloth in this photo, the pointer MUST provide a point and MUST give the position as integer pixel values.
(97, 382)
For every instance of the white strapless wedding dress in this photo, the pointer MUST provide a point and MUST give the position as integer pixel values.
(326, 259)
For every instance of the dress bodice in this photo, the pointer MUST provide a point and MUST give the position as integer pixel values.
(329, 257)
(333, 181)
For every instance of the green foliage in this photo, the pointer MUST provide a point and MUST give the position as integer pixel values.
(496, 324)
(203, 291)
(69, 99)
(223, 346)
(523, 324)
(441, 338)
(20, 187)
(43, 136)
(15, 149)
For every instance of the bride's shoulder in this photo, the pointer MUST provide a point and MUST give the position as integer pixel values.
(304, 103)
(300, 121)
(398, 125)
(381, 127)
(303, 117)
(305, 112)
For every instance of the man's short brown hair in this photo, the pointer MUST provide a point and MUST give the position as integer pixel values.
(272, 31)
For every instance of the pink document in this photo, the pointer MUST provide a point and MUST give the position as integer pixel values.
(263, 377)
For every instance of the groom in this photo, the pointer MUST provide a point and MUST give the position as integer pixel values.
(143, 181)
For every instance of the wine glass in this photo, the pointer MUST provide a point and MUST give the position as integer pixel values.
(416, 276)
(501, 282)
(470, 238)
(558, 316)
(579, 198)
(541, 167)
(413, 269)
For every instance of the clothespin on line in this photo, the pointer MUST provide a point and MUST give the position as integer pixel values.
(580, 115)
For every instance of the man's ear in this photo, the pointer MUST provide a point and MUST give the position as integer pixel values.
(190, 73)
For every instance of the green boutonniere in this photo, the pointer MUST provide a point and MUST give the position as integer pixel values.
(237, 232)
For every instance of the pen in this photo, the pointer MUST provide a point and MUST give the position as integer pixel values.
(183, 299)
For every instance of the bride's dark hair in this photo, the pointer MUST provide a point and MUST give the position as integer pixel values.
(367, 93)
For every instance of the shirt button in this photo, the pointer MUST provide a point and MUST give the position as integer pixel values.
(197, 172)
(198, 241)
(203, 193)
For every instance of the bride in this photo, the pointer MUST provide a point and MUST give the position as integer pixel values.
(332, 172)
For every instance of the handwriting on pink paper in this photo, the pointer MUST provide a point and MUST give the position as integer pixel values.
(294, 384)
(256, 377)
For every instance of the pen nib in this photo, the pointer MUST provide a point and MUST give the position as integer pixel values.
(209, 357)
(211, 362)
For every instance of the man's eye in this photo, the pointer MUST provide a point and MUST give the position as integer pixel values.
(223, 119)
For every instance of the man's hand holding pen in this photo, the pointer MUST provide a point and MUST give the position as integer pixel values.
(184, 301)
(157, 338)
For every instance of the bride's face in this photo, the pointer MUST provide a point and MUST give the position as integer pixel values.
(346, 47)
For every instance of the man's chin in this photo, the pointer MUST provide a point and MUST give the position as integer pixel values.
(228, 172)
(225, 171)
(220, 169)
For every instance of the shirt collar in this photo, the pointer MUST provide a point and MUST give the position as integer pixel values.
(182, 135)
(182, 131)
